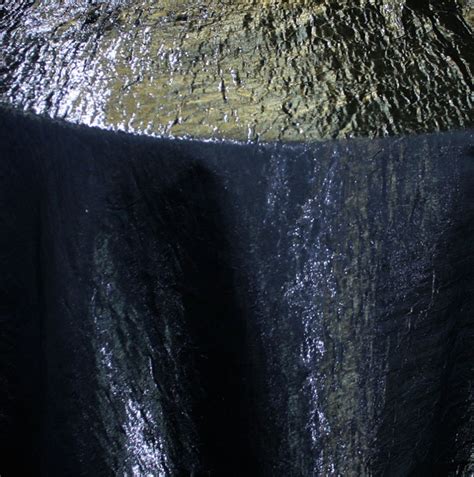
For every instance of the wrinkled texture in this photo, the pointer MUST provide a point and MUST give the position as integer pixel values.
(178, 308)
(260, 69)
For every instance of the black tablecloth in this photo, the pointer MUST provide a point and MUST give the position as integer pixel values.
(177, 307)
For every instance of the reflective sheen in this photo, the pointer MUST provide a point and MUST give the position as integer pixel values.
(247, 69)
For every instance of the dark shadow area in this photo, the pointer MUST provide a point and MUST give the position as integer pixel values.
(20, 305)
(185, 218)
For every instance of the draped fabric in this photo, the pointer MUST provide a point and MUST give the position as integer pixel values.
(190, 308)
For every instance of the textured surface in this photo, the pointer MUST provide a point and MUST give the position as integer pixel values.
(175, 308)
(276, 69)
